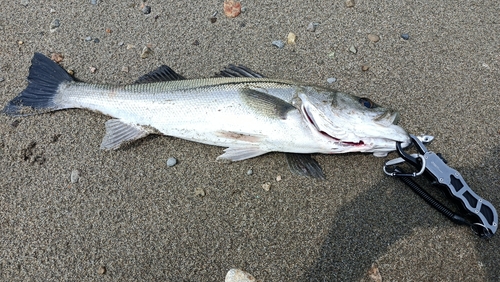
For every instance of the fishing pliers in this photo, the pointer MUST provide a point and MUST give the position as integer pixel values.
(478, 213)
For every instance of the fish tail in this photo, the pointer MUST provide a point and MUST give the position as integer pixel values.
(44, 79)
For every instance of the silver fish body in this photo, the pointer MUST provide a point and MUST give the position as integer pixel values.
(249, 116)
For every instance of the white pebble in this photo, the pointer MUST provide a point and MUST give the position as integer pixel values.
(171, 162)
(75, 176)
(249, 172)
(331, 80)
(238, 275)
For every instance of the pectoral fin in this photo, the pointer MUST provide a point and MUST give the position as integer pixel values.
(241, 153)
(118, 132)
(266, 104)
(304, 165)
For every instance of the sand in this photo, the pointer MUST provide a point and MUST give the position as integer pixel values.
(135, 219)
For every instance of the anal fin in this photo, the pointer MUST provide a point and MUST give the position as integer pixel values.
(304, 165)
(118, 132)
(241, 153)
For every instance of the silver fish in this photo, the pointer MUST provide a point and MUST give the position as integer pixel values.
(249, 114)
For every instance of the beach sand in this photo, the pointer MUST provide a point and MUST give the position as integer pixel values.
(131, 218)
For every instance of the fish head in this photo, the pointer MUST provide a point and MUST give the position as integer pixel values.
(352, 123)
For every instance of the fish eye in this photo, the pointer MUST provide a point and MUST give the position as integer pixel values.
(367, 103)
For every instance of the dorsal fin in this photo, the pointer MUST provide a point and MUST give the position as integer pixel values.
(238, 71)
(163, 73)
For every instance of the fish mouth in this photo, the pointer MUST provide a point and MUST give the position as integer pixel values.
(310, 118)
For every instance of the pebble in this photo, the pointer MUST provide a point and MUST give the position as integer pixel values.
(101, 270)
(312, 26)
(243, 9)
(96, 40)
(373, 38)
(232, 8)
(405, 36)
(332, 54)
(171, 162)
(199, 192)
(353, 49)
(108, 30)
(146, 52)
(249, 172)
(93, 2)
(365, 68)
(93, 69)
(25, 2)
(238, 275)
(54, 25)
(130, 46)
(278, 178)
(75, 176)
(278, 43)
(290, 39)
(56, 57)
(266, 186)
(2, 79)
(146, 10)
(120, 43)
(70, 72)
(124, 69)
(331, 80)
(20, 42)
(349, 3)
(213, 19)
(88, 38)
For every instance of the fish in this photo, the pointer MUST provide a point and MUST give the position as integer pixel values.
(239, 109)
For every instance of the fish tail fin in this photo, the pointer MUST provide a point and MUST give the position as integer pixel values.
(44, 79)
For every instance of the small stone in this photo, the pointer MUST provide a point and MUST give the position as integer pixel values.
(20, 42)
(405, 36)
(101, 270)
(373, 38)
(171, 162)
(279, 44)
(15, 123)
(2, 79)
(75, 176)
(374, 273)
(290, 39)
(266, 186)
(312, 26)
(238, 275)
(353, 49)
(213, 19)
(199, 192)
(130, 46)
(332, 54)
(232, 8)
(52, 11)
(278, 178)
(331, 80)
(349, 3)
(243, 9)
(146, 10)
(249, 172)
(120, 43)
(71, 72)
(25, 2)
(365, 68)
(196, 43)
(54, 25)
(93, 69)
(93, 2)
(56, 57)
(146, 52)
(88, 38)
(108, 30)
(124, 69)
(96, 40)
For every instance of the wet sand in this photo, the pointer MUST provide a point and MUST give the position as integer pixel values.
(142, 220)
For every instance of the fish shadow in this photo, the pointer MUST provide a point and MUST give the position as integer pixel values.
(365, 229)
